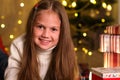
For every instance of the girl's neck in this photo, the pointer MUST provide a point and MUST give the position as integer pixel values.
(47, 51)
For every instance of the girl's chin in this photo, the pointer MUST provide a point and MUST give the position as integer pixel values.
(43, 47)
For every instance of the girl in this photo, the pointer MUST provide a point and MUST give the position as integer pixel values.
(45, 51)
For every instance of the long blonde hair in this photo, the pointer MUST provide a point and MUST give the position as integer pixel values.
(63, 63)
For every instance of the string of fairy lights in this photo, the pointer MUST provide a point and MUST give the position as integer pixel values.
(66, 3)
(73, 4)
(9, 27)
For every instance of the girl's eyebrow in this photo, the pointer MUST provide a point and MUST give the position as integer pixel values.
(56, 26)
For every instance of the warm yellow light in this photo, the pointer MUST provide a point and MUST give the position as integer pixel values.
(108, 13)
(2, 17)
(90, 53)
(2, 25)
(85, 50)
(11, 36)
(97, 12)
(19, 13)
(76, 14)
(104, 5)
(103, 20)
(69, 6)
(105, 31)
(84, 34)
(92, 14)
(6, 49)
(93, 1)
(22, 4)
(75, 49)
(80, 41)
(80, 25)
(74, 4)
(64, 3)
(109, 7)
(19, 21)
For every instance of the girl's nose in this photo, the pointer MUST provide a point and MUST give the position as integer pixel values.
(45, 34)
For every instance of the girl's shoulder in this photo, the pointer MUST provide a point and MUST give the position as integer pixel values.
(18, 43)
(19, 40)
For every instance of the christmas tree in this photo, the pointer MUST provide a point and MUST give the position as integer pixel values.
(88, 19)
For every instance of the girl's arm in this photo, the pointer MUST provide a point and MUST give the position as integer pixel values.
(13, 63)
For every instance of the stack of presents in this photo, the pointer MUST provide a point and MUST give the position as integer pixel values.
(110, 46)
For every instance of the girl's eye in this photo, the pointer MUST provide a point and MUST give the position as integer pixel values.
(40, 26)
(53, 29)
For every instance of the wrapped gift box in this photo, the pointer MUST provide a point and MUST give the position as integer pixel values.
(102, 73)
(110, 45)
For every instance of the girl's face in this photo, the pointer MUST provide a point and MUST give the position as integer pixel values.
(46, 29)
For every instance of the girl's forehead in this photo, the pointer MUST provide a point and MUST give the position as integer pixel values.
(48, 16)
(44, 13)
(49, 11)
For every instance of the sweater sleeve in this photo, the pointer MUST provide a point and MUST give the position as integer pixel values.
(14, 59)
(13, 64)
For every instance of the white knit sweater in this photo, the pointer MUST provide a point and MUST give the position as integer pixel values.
(44, 58)
(16, 49)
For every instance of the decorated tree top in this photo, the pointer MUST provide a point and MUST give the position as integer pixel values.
(88, 18)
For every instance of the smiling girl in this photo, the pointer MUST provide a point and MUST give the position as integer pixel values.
(45, 51)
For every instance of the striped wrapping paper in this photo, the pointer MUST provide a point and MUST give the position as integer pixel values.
(110, 45)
